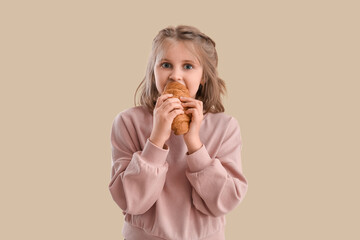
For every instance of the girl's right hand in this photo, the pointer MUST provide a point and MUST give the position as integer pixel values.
(166, 109)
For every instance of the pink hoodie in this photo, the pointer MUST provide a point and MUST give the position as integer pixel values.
(167, 193)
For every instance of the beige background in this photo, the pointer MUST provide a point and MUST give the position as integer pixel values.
(292, 72)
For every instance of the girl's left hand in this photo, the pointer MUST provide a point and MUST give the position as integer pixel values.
(192, 137)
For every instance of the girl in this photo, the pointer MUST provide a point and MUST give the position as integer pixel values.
(169, 186)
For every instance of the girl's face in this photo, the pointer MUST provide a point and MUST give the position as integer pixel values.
(180, 65)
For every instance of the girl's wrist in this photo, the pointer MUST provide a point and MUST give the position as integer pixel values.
(157, 142)
(193, 146)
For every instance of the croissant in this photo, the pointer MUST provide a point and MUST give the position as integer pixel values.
(181, 122)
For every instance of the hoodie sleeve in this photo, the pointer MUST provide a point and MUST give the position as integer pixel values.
(218, 183)
(137, 176)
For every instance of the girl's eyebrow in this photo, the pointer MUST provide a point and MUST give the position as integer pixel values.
(164, 59)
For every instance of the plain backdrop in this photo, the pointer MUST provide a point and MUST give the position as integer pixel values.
(292, 73)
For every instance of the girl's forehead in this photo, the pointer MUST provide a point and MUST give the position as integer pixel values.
(163, 50)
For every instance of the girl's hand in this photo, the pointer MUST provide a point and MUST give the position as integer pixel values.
(192, 137)
(166, 109)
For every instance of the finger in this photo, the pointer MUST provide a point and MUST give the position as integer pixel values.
(170, 101)
(171, 105)
(162, 98)
(193, 104)
(192, 111)
(189, 104)
(186, 99)
(176, 112)
(195, 113)
(189, 99)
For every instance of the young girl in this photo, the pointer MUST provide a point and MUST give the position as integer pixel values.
(169, 186)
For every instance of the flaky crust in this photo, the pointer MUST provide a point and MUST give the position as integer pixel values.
(181, 122)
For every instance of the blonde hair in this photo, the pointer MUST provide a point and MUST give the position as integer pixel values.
(213, 87)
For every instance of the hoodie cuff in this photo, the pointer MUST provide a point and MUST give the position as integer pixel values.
(199, 160)
(153, 154)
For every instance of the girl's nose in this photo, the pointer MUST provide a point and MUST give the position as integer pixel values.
(176, 75)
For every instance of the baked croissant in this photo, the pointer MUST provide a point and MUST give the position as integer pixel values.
(181, 122)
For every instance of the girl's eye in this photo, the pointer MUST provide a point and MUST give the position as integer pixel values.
(165, 65)
(168, 65)
(188, 65)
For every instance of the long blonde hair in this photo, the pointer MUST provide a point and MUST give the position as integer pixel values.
(213, 87)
